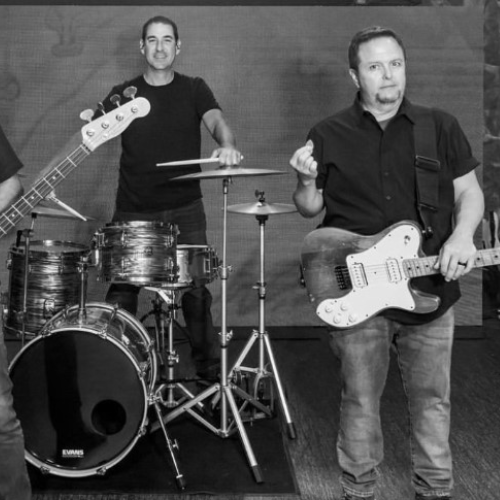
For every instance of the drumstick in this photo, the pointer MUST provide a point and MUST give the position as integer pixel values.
(189, 162)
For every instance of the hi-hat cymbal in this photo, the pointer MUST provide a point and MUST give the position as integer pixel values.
(44, 211)
(229, 172)
(262, 208)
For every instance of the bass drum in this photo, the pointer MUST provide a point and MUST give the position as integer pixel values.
(81, 390)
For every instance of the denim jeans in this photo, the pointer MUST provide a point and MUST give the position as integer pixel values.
(14, 481)
(196, 301)
(424, 359)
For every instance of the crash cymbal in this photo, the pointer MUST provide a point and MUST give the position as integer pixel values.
(262, 208)
(228, 172)
(44, 211)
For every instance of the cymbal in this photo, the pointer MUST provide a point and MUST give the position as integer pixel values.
(229, 172)
(43, 211)
(262, 208)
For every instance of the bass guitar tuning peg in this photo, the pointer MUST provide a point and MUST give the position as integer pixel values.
(115, 99)
(130, 92)
(87, 115)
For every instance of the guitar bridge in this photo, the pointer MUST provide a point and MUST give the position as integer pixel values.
(343, 278)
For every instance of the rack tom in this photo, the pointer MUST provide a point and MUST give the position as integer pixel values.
(136, 252)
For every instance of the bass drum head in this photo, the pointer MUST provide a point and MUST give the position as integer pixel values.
(81, 402)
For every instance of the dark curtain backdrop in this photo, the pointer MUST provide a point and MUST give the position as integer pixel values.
(275, 71)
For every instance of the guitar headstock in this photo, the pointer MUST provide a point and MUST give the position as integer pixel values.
(112, 124)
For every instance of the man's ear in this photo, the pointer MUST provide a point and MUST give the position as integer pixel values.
(141, 46)
(354, 76)
(178, 47)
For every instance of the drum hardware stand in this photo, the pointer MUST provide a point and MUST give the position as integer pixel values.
(27, 236)
(261, 336)
(157, 399)
(167, 354)
(223, 390)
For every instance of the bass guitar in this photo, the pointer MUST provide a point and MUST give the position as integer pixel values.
(93, 134)
(351, 278)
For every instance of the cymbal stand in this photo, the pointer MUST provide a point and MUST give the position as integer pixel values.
(261, 336)
(223, 391)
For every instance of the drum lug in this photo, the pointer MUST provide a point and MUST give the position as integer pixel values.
(101, 471)
(49, 308)
(44, 470)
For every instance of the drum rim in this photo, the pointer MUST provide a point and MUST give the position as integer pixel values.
(138, 223)
(46, 245)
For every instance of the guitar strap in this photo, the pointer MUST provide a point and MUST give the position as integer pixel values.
(427, 168)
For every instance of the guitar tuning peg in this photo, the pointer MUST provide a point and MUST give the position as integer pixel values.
(115, 99)
(100, 107)
(130, 92)
(87, 115)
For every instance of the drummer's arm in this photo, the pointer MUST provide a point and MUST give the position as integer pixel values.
(10, 190)
(223, 135)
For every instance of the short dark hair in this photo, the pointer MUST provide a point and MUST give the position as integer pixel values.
(366, 35)
(159, 20)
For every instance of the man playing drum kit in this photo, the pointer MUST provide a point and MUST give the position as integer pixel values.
(14, 481)
(170, 132)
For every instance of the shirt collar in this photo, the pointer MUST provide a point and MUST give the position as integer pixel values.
(406, 109)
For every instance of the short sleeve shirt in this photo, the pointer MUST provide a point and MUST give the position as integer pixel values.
(367, 175)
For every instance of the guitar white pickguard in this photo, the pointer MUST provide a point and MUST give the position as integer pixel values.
(378, 280)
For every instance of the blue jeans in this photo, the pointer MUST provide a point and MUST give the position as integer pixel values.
(424, 359)
(196, 301)
(14, 481)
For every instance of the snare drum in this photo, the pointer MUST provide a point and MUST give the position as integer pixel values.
(53, 283)
(196, 263)
(136, 252)
(82, 390)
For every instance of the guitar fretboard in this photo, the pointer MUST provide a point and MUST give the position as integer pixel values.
(41, 189)
(424, 266)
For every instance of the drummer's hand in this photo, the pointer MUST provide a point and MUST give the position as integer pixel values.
(303, 162)
(227, 156)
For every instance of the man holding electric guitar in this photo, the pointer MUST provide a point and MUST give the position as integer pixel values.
(397, 184)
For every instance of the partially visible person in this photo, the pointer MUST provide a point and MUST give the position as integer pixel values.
(170, 132)
(359, 166)
(14, 480)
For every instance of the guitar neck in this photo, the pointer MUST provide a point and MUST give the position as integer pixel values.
(41, 189)
(424, 266)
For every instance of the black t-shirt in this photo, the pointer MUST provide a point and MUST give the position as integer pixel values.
(10, 164)
(169, 132)
(368, 179)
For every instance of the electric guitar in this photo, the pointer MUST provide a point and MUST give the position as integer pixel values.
(94, 134)
(350, 278)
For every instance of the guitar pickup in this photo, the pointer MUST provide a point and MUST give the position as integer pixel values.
(393, 270)
(358, 276)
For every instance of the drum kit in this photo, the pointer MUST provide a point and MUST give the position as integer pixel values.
(87, 373)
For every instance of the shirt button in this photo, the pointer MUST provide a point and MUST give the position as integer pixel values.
(388, 197)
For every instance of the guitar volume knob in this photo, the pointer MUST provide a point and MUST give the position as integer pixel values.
(329, 307)
(337, 319)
